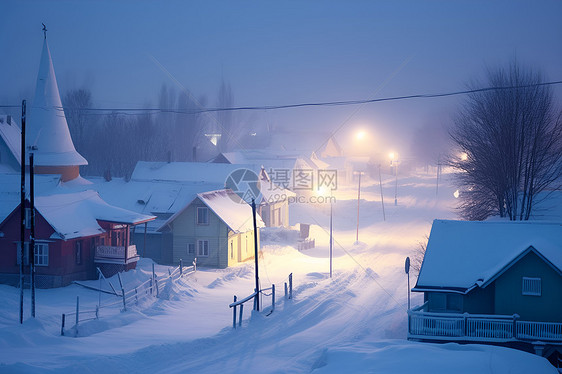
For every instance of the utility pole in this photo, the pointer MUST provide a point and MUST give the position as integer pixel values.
(32, 244)
(257, 303)
(358, 199)
(382, 198)
(22, 206)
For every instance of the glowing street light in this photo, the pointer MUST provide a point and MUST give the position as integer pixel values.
(360, 135)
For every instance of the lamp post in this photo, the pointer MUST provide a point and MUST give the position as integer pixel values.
(358, 199)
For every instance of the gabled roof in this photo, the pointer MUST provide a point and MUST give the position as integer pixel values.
(229, 207)
(10, 189)
(11, 135)
(47, 128)
(75, 215)
(462, 255)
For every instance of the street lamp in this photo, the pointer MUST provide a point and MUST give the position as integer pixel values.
(358, 199)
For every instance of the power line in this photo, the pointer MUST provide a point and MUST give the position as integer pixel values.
(141, 111)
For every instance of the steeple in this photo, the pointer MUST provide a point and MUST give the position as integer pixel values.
(48, 131)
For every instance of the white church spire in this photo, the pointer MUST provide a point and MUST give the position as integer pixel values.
(48, 131)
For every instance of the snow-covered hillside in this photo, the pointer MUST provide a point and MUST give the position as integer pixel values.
(353, 322)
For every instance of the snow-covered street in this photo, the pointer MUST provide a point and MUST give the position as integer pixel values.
(354, 322)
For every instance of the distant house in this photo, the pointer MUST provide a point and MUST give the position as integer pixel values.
(272, 200)
(498, 282)
(75, 233)
(216, 228)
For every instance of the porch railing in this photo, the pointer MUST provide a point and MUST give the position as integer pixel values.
(479, 327)
(120, 253)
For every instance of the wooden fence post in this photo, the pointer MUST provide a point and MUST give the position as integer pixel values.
(291, 286)
(62, 326)
(272, 298)
(234, 314)
(286, 292)
(181, 267)
(122, 291)
(157, 290)
(240, 319)
(136, 297)
(77, 310)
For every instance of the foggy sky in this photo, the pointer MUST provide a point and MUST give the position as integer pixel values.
(281, 52)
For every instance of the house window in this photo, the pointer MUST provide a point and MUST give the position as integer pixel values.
(191, 248)
(78, 253)
(41, 254)
(531, 286)
(202, 216)
(203, 248)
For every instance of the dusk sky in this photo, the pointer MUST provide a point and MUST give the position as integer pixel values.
(281, 52)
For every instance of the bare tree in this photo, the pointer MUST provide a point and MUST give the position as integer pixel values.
(75, 103)
(511, 138)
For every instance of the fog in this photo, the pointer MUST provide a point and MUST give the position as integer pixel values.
(277, 53)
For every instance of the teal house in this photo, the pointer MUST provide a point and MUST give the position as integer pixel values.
(216, 228)
(492, 282)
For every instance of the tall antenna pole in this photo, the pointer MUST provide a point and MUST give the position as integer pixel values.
(22, 206)
(32, 244)
(256, 254)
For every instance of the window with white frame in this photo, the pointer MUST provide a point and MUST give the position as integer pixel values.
(202, 215)
(41, 254)
(203, 248)
(531, 287)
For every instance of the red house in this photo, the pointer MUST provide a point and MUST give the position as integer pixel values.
(75, 233)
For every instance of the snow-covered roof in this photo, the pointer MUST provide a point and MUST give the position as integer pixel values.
(47, 128)
(461, 255)
(10, 189)
(11, 135)
(168, 179)
(229, 207)
(74, 215)
(185, 171)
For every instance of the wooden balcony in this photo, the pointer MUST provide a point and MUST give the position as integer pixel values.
(106, 254)
(479, 328)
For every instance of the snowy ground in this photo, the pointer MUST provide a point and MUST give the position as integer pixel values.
(354, 322)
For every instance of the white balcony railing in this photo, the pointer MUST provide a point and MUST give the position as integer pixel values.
(479, 327)
(116, 254)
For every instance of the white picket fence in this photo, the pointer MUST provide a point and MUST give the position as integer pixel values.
(150, 288)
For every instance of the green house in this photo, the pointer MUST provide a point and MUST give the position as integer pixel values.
(216, 228)
(491, 282)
